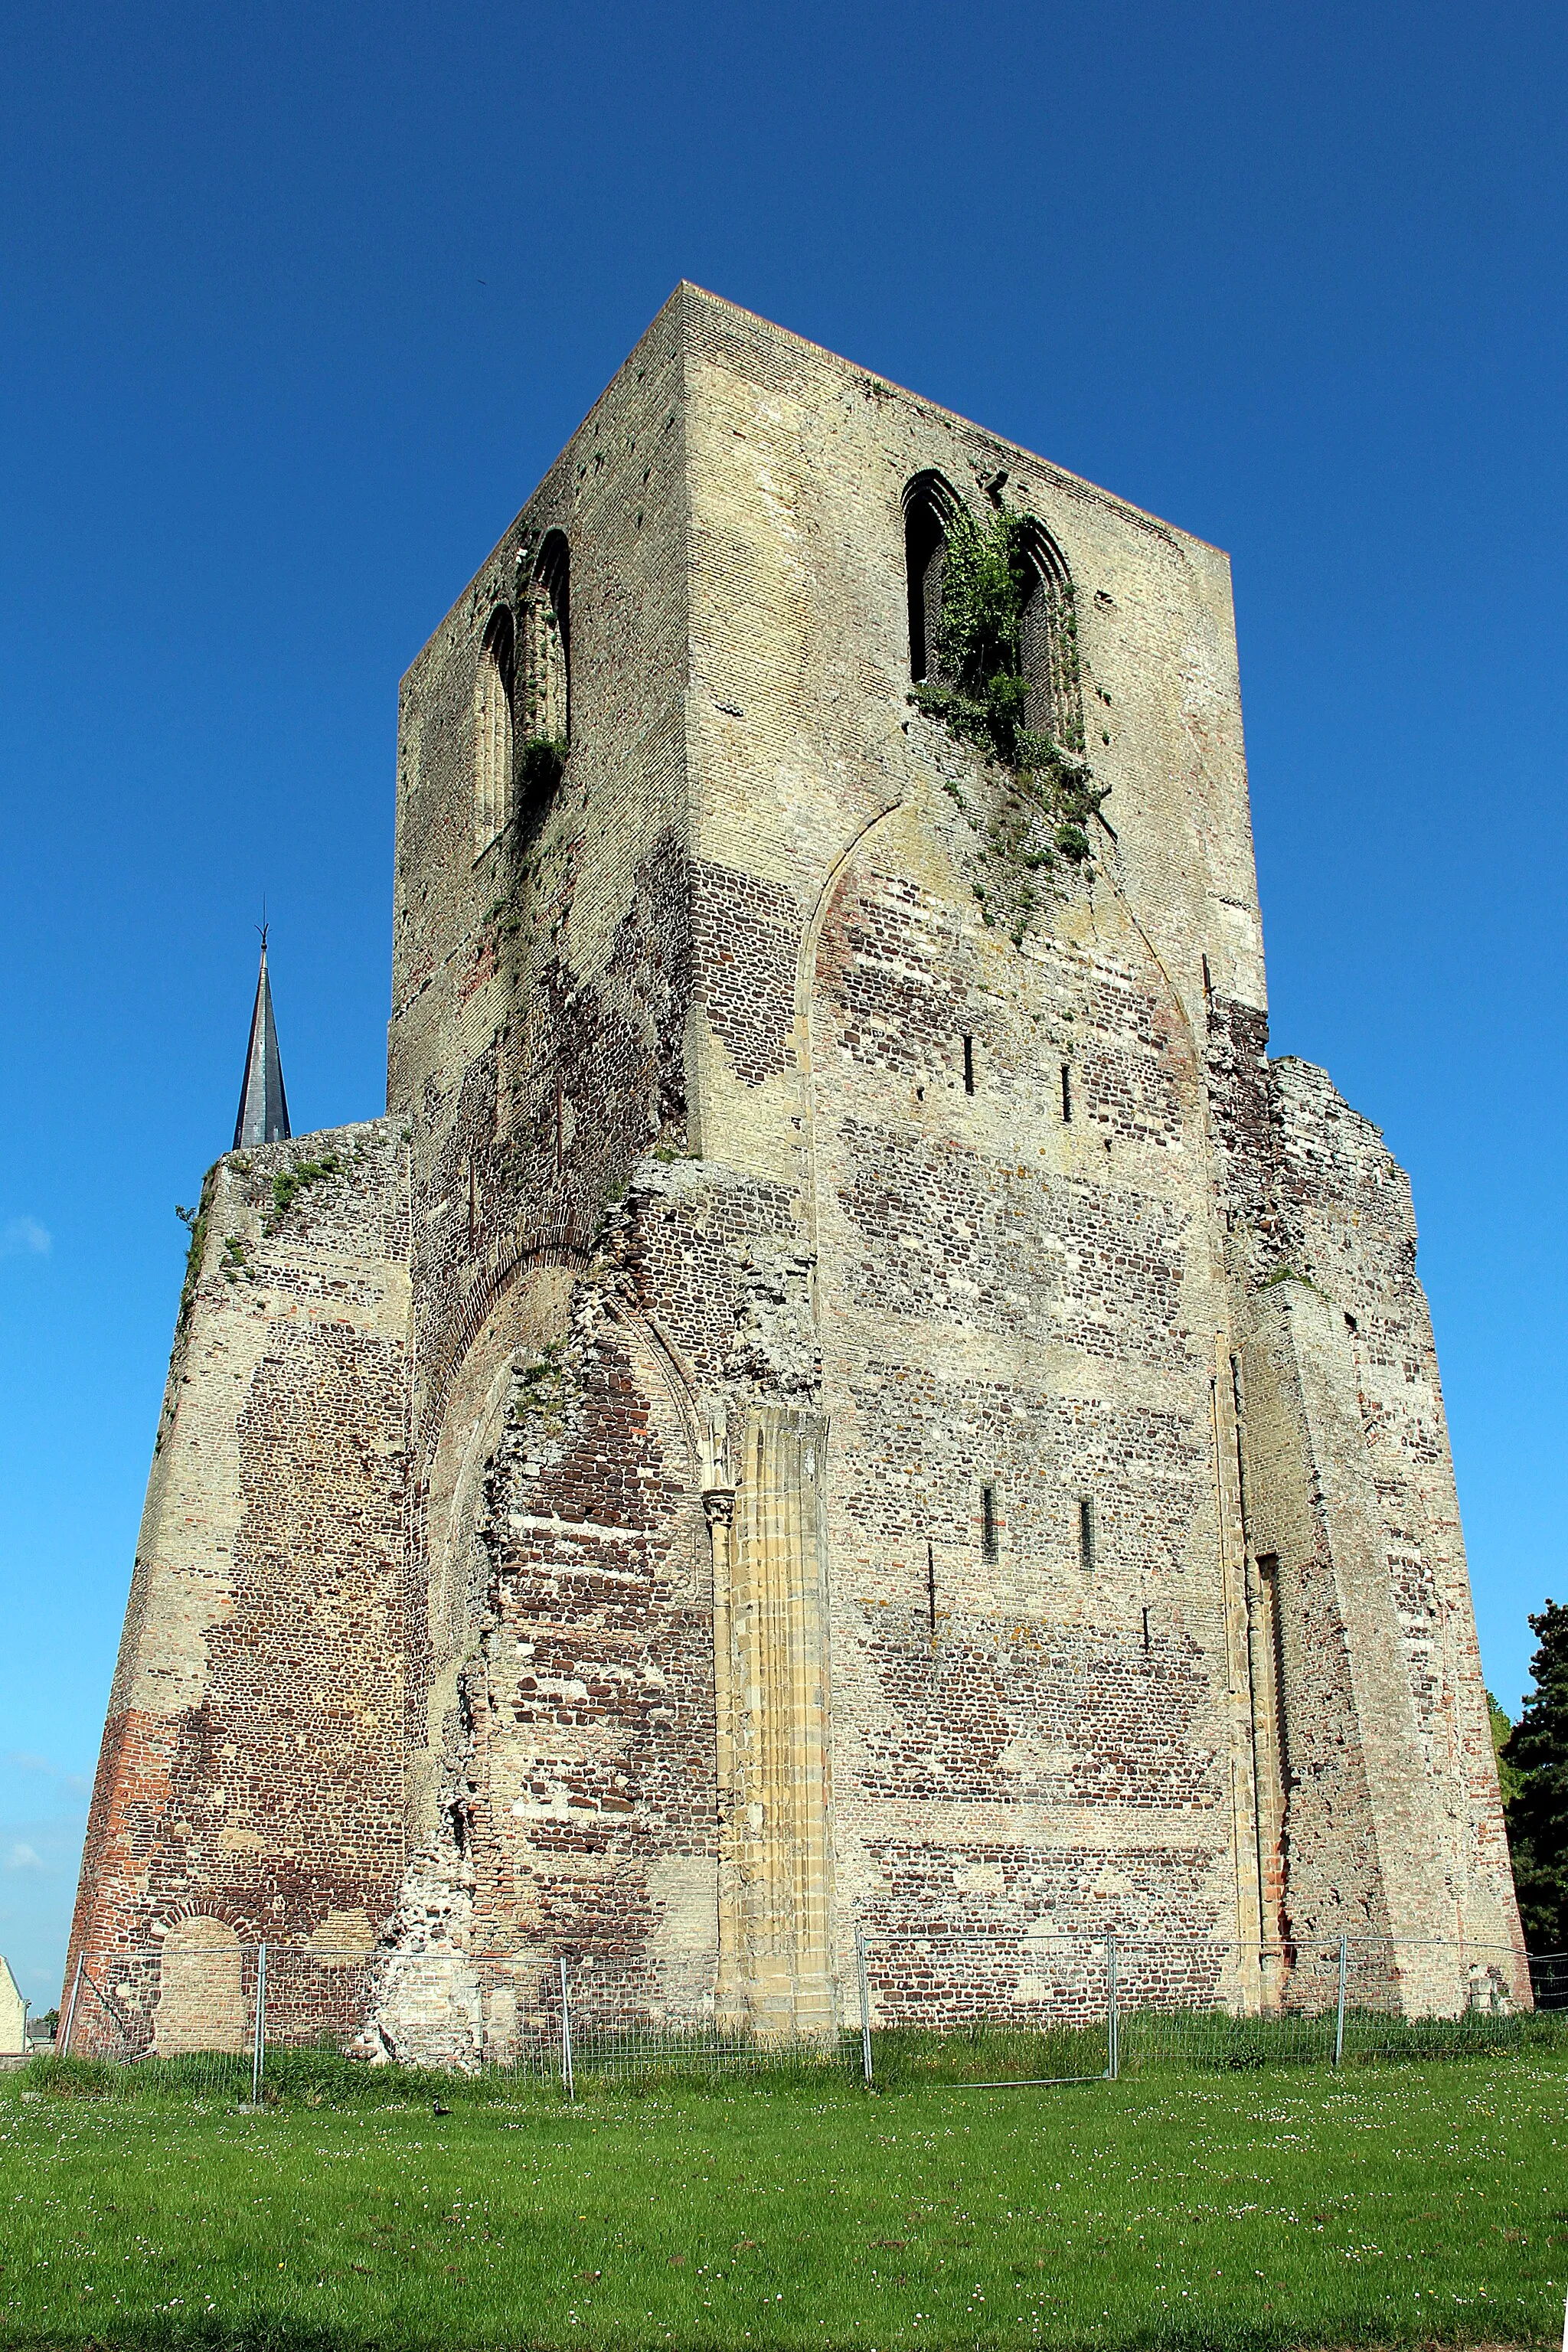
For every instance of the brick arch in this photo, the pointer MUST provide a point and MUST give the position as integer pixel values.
(676, 1374)
(170, 1916)
(929, 504)
(202, 2001)
(559, 1244)
(522, 1303)
(910, 1012)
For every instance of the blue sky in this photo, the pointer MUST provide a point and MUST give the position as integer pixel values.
(298, 303)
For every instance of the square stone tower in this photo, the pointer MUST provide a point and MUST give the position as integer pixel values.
(845, 1392)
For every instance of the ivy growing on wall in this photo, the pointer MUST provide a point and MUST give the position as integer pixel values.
(196, 1222)
(980, 692)
(541, 765)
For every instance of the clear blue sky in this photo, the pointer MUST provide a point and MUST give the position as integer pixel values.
(299, 302)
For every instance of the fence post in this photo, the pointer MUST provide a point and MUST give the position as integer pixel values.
(1113, 2054)
(567, 2036)
(865, 2007)
(258, 2045)
(70, 2009)
(1340, 2008)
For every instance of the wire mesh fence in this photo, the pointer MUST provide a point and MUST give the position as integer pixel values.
(997, 2009)
(1077, 2008)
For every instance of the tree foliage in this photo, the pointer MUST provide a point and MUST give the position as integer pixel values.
(1537, 1812)
(1502, 1730)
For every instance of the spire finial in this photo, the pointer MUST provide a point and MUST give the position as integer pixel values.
(263, 1105)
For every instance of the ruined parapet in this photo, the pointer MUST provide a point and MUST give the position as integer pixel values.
(1369, 1689)
(251, 1772)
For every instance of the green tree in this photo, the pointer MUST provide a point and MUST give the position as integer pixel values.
(1502, 1729)
(1537, 1813)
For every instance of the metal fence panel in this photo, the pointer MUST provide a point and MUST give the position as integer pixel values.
(997, 2007)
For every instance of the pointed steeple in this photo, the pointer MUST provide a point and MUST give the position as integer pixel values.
(263, 1105)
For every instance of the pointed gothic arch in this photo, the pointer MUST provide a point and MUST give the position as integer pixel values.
(930, 503)
(493, 728)
(1048, 651)
(547, 647)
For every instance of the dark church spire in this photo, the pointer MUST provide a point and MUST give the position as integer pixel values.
(263, 1105)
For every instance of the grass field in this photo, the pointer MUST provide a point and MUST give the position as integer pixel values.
(1279, 2207)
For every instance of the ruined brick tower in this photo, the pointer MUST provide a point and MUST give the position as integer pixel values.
(845, 1389)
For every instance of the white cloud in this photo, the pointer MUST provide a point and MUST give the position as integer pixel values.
(24, 1237)
(18, 1760)
(20, 1857)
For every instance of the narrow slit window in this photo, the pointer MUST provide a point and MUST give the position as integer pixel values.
(1145, 1628)
(1086, 1533)
(931, 1584)
(1067, 1096)
(968, 1062)
(988, 1523)
(1268, 1580)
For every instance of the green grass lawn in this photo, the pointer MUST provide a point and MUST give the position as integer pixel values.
(1287, 2207)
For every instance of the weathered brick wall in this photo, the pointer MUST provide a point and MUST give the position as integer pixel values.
(252, 1767)
(540, 991)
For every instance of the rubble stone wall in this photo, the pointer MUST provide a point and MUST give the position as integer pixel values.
(251, 1774)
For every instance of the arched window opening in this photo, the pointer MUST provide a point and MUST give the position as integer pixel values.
(493, 729)
(547, 712)
(1048, 644)
(929, 503)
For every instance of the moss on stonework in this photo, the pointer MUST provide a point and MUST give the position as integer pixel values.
(981, 693)
(234, 1265)
(1287, 1274)
(300, 1175)
(542, 1394)
(290, 1182)
(197, 1220)
(541, 763)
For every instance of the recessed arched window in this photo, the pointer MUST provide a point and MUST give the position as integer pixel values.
(493, 728)
(929, 504)
(547, 712)
(1048, 646)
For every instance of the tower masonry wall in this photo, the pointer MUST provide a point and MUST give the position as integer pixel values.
(251, 1770)
(878, 1410)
